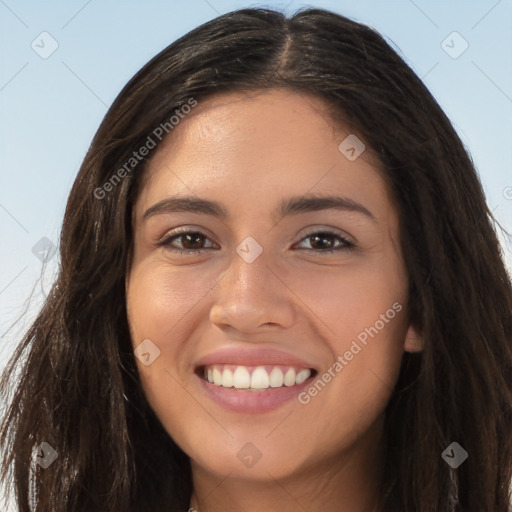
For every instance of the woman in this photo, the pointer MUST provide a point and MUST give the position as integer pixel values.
(280, 288)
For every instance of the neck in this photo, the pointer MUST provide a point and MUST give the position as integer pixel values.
(347, 481)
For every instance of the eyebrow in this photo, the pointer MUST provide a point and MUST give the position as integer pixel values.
(291, 206)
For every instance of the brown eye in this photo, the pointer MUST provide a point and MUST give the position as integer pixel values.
(327, 242)
(192, 241)
(189, 241)
(322, 241)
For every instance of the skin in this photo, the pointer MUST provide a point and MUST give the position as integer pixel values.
(249, 152)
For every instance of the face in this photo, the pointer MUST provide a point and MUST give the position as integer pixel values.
(266, 260)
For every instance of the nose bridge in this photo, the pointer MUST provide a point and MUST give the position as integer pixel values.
(248, 280)
(250, 294)
(249, 267)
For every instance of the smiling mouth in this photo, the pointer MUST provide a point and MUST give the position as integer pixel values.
(254, 378)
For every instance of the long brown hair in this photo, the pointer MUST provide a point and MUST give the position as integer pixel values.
(78, 388)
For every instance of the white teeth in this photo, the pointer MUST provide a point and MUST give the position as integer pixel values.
(227, 378)
(241, 378)
(276, 378)
(260, 379)
(289, 377)
(302, 376)
(217, 377)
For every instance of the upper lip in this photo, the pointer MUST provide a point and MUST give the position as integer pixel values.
(252, 357)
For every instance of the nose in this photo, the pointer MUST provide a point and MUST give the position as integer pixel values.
(252, 297)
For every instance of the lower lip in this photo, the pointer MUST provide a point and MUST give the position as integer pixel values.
(254, 402)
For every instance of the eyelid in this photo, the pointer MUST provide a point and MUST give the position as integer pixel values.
(184, 230)
(347, 243)
(319, 228)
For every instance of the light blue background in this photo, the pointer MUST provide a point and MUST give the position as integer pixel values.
(50, 108)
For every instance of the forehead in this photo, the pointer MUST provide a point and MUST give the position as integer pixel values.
(242, 121)
(258, 145)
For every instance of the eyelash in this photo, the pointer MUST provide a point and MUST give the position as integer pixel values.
(345, 245)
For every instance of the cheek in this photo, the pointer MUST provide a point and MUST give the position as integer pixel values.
(362, 318)
(160, 298)
(160, 303)
(346, 300)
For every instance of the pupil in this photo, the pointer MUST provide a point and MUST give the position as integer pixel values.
(323, 239)
(193, 241)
